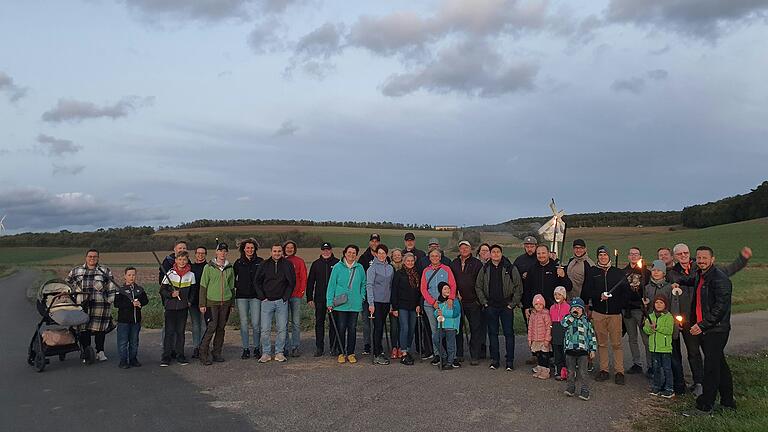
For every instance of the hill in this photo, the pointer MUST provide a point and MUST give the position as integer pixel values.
(728, 210)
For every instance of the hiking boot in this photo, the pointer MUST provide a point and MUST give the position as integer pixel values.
(100, 356)
(124, 365)
(619, 378)
(584, 394)
(341, 359)
(165, 362)
(456, 364)
(366, 349)
(535, 370)
(435, 361)
(318, 353)
(182, 360)
(135, 363)
(352, 359)
(667, 394)
(246, 354)
(428, 357)
(494, 366)
(543, 373)
(602, 376)
(196, 353)
(280, 357)
(406, 360)
(381, 360)
(570, 390)
(635, 369)
(265, 358)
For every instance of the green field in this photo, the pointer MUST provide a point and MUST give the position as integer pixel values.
(32, 255)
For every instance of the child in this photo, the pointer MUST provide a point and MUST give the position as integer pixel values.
(174, 292)
(557, 312)
(540, 336)
(659, 327)
(448, 321)
(128, 300)
(580, 344)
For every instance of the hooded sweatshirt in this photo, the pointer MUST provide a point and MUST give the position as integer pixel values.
(217, 284)
(378, 284)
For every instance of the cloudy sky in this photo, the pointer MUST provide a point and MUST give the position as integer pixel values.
(443, 111)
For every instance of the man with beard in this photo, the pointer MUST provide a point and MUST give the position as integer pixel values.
(317, 285)
(577, 267)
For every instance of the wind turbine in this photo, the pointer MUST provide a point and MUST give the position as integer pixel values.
(554, 229)
(2, 227)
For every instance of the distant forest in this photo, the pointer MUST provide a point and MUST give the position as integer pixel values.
(737, 208)
(208, 223)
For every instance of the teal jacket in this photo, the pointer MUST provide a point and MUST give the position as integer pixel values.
(579, 333)
(452, 316)
(660, 340)
(339, 283)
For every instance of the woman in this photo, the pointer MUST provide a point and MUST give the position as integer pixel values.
(379, 289)
(484, 252)
(248, 306)
(406, 301)
(396, 259)
(346, 291)
(435, 273)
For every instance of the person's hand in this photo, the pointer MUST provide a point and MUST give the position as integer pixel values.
(418, 310)
(653, 325)
(176, 294)
(560, 272)
(395, 313)
(136, 304)
(202, 309)
(330, 308)
(746, 252)
(646, 301)
(510, 307)
(528, 314)
(450, 303)
(591, 355)
(696, 330)
(525, 275)
(604, 297)
(677, 291)
(311, 304)
(371, 309)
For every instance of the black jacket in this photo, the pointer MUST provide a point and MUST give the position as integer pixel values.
(418, 253)
(194, 289)
(366, 258)
(543, 279)
(467, 278)
(403, 295)
(275, 280)
(245, 272)
(126, 312)
(317, 281)
(598, 281)
(715, 299)
(524, 263)
(637, 279)
(167, 264)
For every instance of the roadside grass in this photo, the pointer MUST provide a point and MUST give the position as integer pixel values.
(751, 392)
(6, 270)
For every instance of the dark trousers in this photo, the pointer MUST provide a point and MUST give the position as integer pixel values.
(424, 337)
(381, 310)
(717, 374)
(558, 354)
(347, 322)
(128, 341)
(98, 336)
(394, 331)
(677, 367)
(173, 341)
(505, 315)
(215, 330)
(321, 312)
(473, 312)
(542, 358)
(693, 346)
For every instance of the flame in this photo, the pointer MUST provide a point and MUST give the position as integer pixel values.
(640, 263)
(679, 318)
(615, 251)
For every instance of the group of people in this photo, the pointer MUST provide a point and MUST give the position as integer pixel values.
(425, 303)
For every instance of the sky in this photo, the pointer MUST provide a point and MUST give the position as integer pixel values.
(460, 112)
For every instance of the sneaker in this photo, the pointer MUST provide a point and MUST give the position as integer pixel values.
(352, 359)
(570, 390)
(494, 366)
(602, 376)
(435, 361)
(445, 366)
(265, 358)
(697, 413)
(654, 392)
(196, 353)
(205, 361)
(182, 360)
(584, 394)
(667, 394)
(510, 367)
(381, 360)
(100, 356)
(635, 369)
(256, 353)
(295, 352)
(318, 353)
(619, 378)
(428, 357)
(135, 363)
(366, 350)
(280, 357)
(165, 363)
(341, 359)
(246, 354)
(460, 359)
(124, 365)
(456, 364)
(406, 360)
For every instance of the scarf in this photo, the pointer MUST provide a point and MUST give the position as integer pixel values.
(397, 266)
(576, 273)
(413, 277)
(604, 267)
(181, 271)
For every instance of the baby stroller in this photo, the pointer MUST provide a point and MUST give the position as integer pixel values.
(57, 333)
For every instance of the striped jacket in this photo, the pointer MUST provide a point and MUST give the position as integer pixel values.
(175, 282)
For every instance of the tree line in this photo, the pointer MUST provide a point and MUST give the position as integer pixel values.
(737, 208)
(209, 223)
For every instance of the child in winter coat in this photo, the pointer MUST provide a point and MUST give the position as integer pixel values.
(540, 336)
(580, 344)
(448, 321)
(659, 327)
(129, 300)
(174, 291)
(557, 312)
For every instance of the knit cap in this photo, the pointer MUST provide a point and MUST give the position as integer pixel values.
(659, 265)
(560, 290)
(577, 302)
(663, 298)
(538, 298)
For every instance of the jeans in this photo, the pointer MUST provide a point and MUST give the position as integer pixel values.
(505, 315)
(429, 311)
(577, 371)
(662, 371)
(608, 331)
(198, 325)
(293, 329)
(249, 310)
(278, 309)
(717, 373)
(449, 335)
(695, 361)
(477, 333)
(128, 341)
(379, 323)
(215, 329)
(407, 320)
(347, 322)
(634, 325)
(173, 340)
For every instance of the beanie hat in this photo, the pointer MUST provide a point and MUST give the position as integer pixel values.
(538, 298)
(577, 302)
(663, 298)
(602, 248)
(659, 265)
(560, 290)
(440, 290)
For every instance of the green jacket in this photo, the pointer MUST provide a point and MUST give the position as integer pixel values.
(512, 284)
(340, 284)
(217, 284)
(660, 340)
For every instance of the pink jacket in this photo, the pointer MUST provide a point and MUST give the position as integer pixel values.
(539, 327)
(558, 311)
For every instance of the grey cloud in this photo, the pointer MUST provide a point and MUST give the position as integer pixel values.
(131, 197)
(314, 50)
(389, 34)
(637, 84)
(65, 170)
(11, 89)
(286, 129)
(663, 50)
(700, 18)
(264, 38)
(57, 146)
(36, 209)
(657, 74)
(207, 10)
(471, 67)
(75, 111)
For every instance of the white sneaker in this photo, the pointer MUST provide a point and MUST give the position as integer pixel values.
(265, 358)
(100, 356)
(280, 357)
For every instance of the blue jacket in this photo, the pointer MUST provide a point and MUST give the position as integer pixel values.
(378, 284)
(452, 316)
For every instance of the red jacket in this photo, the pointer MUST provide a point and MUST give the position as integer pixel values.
(301, 275)
(539, 327)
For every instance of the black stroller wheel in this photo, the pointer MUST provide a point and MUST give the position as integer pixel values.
(39, 355)
(62, 357)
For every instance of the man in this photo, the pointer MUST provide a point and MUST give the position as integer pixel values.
(685, 268)
(95, 289)
(577, 268)
(665, 255)
(317, 285)
(524, 263)
(410, 246)
(711, 315)
(168, 261)
(217, 289)
(605, 293)
(293, 335)
(424, 262)
(274, 283)
(543, 278)
(499, 288)
(465, 269)
(365, 260)
(638, 277)
(197, 318)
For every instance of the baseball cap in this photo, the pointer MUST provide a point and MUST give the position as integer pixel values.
(529, 240)
(222, 246)
(375, 236)
(579, 242)
(326, 245)
(410, 236)
(464, 242)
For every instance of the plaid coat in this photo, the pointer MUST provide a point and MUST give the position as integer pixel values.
(96, 294)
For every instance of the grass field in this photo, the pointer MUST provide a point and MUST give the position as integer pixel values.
(751, 393)
(33, 255)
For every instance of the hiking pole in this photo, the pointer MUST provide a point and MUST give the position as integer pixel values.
(441, 333)
(386, 333)
(466, 336)
(419, 343)
(336, 329)
(373, 357)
